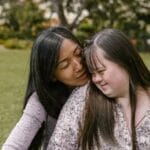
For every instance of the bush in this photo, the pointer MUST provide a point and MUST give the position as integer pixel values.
(85, 29)
(16, 44)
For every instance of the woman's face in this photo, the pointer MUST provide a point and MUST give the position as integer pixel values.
(70, 69)
(109, 77)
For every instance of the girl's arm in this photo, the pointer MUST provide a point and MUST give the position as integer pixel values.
(23, 133)
(66, 132)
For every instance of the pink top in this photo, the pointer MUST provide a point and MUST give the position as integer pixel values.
(33, 116)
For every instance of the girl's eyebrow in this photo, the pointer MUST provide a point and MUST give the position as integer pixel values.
(99, 68)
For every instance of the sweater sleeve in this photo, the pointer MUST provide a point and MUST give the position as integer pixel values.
(66, 132)
(23, 133)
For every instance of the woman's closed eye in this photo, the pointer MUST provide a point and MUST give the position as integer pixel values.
(78, 52)
(63, 65)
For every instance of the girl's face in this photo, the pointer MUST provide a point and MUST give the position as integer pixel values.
(109, 77)
(70, 69)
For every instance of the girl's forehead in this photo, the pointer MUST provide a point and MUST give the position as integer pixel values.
(96, 60)
(98, 56)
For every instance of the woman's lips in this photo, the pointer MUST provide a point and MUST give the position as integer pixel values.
(82, 76)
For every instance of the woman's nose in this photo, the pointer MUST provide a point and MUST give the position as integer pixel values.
(77, 64)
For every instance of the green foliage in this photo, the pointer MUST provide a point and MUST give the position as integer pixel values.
(24, 19)
(85, 30)
(130, 17)
(6, 33)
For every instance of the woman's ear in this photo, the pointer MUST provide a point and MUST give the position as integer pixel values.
(54, 79)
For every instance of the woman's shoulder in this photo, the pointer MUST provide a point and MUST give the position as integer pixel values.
(34, 101)
(35, 108)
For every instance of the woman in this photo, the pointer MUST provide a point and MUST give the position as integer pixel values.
(116, 112)
(55, 69)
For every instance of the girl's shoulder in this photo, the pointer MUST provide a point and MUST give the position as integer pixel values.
(80, 91)
(74, 106)
(65, 135)
(78, 95)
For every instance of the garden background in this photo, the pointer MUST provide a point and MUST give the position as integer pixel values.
(22, 20)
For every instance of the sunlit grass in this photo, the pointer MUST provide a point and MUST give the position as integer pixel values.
(146, 58)
(13, 76)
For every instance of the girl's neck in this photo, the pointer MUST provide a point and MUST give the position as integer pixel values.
(143, 98)
(143, 101)
(124, 102)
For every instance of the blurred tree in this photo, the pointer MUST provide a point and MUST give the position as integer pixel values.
(130, 16)
(83, 16)
(23, 17)
(67, 8)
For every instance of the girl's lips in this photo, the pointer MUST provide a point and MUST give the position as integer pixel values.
(103, 84)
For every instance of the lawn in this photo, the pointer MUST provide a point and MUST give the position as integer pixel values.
(13, 77)
(146, 58)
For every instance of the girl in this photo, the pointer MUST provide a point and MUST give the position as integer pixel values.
(115, 115)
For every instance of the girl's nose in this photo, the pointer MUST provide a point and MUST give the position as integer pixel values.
(96, 78)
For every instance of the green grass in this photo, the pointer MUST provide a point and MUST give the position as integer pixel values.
(13, 78)
(146, 58)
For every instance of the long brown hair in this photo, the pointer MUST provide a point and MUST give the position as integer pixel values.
(99, 112)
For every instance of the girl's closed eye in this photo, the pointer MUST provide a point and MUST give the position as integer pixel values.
(100, 71)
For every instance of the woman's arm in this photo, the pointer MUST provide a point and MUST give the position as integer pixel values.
(66, 132)
(23, 133)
